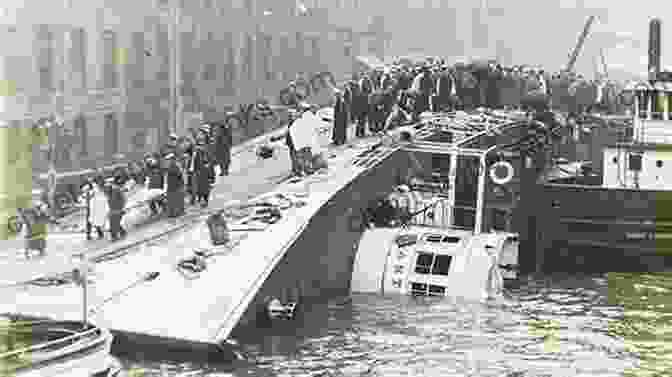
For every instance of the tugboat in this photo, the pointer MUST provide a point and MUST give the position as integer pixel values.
(454, 235)
(620, 221)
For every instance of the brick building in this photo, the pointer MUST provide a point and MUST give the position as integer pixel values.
(107, 66)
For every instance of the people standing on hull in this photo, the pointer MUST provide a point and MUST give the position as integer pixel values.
(174, 187)
(201, 172)
(117, 203)
(444, 90)
(396, 118)
(155, 181)
(376, 111)
(362, 105)
(339, 133)
(423, 86)
(223, 142)
(289, 142)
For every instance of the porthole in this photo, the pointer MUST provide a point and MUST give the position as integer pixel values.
(615, 160)
(659, 163)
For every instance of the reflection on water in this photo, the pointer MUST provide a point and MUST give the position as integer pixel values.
(607, 325)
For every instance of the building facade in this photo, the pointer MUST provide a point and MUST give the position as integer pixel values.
(106, 67)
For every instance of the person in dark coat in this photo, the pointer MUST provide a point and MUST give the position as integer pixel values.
(444, 88)
(174, 187)
(223, 143)
(365, 89)
(339, 134)
(117, 203)
(200, 169)
(377, 111)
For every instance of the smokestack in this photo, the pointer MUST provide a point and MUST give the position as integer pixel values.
(654, 48)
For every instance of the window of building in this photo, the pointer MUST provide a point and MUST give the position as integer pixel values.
(268, 53)
(300, 45)
(77, 58)
(139, 140)
(230, 72)
(208, 4)
(111, 135)
(138, 71)
(315, 47)
(82, 135)
(249, 6)
(347, 51)
(249, 57)
(45, 57)
(286, 53)
(110, 72)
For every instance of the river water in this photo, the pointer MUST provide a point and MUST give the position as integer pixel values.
(589, 325)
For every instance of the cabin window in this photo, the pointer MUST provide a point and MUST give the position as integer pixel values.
(614, 160)
(441, 265)
(418, 289)
(424, 263)
(659, 164)
(635, 162)
(437, 290)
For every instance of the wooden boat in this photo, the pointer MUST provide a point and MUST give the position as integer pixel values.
(55, 348)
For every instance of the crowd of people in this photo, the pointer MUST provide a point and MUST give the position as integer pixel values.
(183, 168)
(385, 98)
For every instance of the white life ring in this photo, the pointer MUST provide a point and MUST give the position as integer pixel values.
(499, 179)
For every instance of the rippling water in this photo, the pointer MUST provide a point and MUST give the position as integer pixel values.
(606, 325)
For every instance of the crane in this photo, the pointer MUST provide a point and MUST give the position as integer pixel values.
(579, 44)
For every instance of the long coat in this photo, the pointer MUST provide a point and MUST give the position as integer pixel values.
(201, 171)
(340, 122)
(100, 208)
(223, 144)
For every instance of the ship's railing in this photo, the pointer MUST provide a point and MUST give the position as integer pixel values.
(52, 345)
(437, 214)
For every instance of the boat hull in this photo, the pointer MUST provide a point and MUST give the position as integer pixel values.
(318, 265)
(597, 229)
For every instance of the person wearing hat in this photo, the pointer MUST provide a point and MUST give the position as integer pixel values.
(201, 172)
(174, 187)
(222, 143)
(339, 133)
